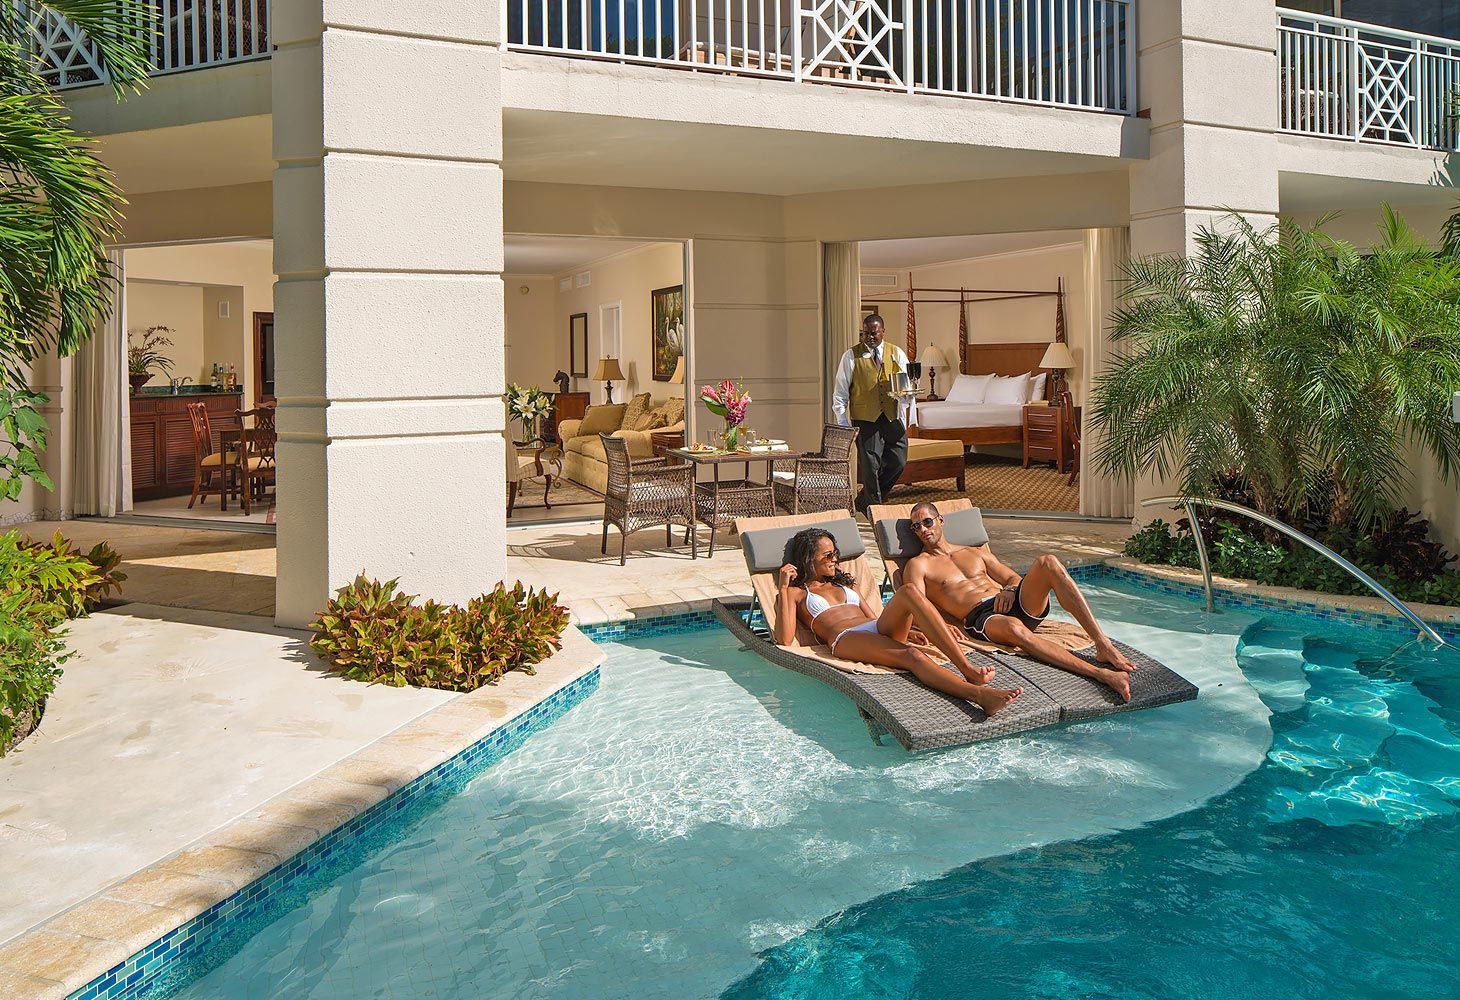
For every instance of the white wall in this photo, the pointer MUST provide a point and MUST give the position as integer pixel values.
(179, 307)
(536, 348)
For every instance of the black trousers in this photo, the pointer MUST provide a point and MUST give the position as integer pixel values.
(881, 456)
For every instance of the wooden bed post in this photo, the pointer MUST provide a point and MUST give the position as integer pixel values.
(912, 322)
(962, 334)
(1059, 313)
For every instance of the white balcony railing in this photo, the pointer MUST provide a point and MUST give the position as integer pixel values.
(1354, 81)
(188, 34)
(1069, 53)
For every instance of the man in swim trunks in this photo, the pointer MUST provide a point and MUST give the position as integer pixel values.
(997, 605)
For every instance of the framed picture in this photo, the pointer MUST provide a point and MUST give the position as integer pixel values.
(578, 345)
(667, 310)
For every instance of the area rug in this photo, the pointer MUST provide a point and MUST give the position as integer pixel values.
(566, 493)
(999, 485)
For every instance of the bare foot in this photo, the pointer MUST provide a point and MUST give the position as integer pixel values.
(991, 700)
(1108, 654)
(1115, 680)
(976, 675)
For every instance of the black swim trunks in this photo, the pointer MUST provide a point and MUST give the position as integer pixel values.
(984, 610)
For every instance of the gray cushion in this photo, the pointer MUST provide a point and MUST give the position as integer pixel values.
(766, 550)
(962, 527)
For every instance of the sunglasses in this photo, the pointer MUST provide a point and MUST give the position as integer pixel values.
(926, 522)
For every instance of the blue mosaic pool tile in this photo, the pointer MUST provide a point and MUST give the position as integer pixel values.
(175, 955)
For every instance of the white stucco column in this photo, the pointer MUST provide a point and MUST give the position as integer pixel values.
(1208, 75)
(388, 248)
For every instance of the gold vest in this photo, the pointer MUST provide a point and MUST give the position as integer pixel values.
(871, 392)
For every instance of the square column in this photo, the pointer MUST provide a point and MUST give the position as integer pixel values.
(389, 312)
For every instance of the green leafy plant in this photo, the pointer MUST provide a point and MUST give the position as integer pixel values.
(374, 631)
(22, 441)
(1303, 365)
(144, 351)
(78, 581)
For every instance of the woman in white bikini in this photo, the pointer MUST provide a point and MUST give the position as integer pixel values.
(816, 591)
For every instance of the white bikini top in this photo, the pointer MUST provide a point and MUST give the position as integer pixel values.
(816, 604)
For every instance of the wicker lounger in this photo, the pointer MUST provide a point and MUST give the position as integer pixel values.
(1153, 685)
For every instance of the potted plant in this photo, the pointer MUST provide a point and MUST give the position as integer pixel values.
(730, 401)
(145, 357)
(530, 405)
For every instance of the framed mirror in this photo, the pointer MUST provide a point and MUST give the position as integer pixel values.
(578, 345)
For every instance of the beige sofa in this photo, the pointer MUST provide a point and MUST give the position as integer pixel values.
(583, 459)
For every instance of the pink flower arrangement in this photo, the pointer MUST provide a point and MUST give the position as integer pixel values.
(728, 399)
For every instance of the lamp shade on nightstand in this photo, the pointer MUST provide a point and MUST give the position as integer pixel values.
(1058, 356)
(933, 357)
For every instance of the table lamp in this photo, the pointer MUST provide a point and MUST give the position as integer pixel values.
(608, 373)
(1059, 360)
(932, 359)
(678, 377)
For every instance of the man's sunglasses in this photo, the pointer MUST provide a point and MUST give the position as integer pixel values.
(926, 522)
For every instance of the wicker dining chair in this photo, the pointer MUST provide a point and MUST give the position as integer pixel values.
(645, 494)
(818, 482)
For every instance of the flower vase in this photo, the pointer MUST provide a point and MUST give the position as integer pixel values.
(732, 437)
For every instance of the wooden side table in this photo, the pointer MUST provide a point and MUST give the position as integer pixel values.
(664, 440)
(1044, 436)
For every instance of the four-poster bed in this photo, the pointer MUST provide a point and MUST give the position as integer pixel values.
(965, 416)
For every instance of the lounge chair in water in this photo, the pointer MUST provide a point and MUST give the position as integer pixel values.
(890, 701)
(1153, 684)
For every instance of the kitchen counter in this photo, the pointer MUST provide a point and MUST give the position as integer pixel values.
(162, 436)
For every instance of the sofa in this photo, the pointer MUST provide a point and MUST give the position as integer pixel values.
(635, 421)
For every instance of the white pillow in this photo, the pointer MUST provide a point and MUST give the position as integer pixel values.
(1036, 387)
(1013, 391)
(969, 388)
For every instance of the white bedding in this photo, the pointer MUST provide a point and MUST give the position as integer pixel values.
(946, 416)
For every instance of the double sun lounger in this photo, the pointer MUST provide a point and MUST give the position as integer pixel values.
(893, 702)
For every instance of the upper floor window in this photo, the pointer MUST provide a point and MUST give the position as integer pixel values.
(1428, 17)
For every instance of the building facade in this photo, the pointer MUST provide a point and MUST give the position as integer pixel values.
(387, 148)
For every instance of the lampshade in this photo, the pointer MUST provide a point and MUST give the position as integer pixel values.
(678, 377)
(933, 357)
(608, 371)
(1058, 357)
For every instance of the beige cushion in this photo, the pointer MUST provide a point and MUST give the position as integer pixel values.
(653, 420)
(636, 412)
(602, 419)
(215, 461)
(921, 448)
(673, 410)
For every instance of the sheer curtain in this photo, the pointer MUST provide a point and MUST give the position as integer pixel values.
(103, 476)
(841, 265)
(1106, 251)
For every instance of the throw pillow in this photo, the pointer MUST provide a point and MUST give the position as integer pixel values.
(673, 409)
(1008, 390)
(638, 409)
(654, 420)
(602, 419)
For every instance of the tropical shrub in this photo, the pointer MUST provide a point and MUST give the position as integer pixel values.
(373, 631)
(77, 581)
(1296, 362)
(1397, 552)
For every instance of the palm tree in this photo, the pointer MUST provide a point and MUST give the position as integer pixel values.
(1305, 366)
(59, 209)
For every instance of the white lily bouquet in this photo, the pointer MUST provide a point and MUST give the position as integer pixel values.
(530, 405)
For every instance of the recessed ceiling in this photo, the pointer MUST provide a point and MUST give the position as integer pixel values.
(892, 255)
(561, 148)
(558, 254)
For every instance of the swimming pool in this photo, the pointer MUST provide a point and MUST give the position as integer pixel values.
(709, 824)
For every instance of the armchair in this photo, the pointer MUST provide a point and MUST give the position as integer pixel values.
(645, 494)
(818, 482)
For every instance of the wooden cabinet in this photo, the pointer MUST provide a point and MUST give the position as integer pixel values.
(162, 440)
(567, 406)
(1045, 439)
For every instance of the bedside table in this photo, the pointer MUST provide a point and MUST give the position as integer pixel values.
(664, 440)
(1044, 436)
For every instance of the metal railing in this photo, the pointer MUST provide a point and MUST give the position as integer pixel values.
(1190, 503)
(187, 34)
(1347, 80)
(1066, 53)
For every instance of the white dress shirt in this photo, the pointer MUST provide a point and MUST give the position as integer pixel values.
(907, 410)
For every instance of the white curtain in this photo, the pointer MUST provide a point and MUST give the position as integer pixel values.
(841, 265)
(103, 477)
(1106, 251)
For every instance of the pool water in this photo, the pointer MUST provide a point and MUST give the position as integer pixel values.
(710, 824)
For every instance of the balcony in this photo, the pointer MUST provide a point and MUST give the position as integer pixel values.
(1348, 80)
(189, 34)
(1064, 53)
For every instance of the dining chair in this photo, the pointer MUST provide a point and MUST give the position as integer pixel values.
(211, 468)
(646, 493)
(257, 465)
(818, 482)
(1072, 433)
